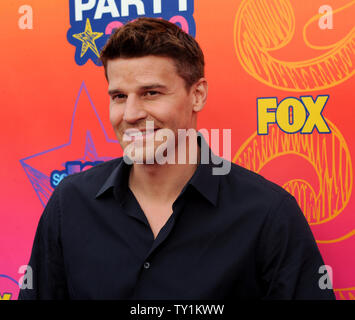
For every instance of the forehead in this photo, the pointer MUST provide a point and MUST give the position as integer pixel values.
(143, 71)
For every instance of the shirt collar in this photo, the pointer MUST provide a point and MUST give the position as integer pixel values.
(117, 181)
(202, 180)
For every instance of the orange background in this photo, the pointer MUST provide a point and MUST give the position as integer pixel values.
(40, 84)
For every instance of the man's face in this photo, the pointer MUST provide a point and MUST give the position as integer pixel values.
(148, 89)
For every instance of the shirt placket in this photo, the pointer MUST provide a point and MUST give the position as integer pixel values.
(153, 253)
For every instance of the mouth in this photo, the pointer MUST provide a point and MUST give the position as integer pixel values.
(136, 134)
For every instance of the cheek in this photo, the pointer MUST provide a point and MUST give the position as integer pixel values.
(177, 112)
(184, 113)
(116, 115)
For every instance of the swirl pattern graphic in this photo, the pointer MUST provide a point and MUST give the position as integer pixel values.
(329, 156)
(262, 26)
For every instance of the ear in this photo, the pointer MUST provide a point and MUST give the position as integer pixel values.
(200, 90)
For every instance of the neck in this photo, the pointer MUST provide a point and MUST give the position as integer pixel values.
(161, 183)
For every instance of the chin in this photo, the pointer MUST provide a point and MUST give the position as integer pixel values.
(152, 155)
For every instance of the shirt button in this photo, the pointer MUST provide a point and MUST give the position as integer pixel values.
(146, 265)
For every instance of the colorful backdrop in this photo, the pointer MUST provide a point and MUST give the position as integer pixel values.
(280, 77)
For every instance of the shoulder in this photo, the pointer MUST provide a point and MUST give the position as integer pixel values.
(249, 193)
(91, 179)
(248, 181)
(96, 173)
(260, 201)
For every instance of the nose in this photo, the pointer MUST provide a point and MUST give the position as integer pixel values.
(134, 110)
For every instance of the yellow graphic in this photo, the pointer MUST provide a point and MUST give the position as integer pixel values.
(348, 235)
(346, 293)
(292, 115)
(329, 156)
(88, 39)
(5, 296)
(263, 26)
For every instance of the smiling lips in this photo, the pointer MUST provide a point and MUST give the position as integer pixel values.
(136, 134)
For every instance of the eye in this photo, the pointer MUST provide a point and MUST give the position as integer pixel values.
(119, 96)
(151, 93)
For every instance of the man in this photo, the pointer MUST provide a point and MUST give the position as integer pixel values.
(129, 229)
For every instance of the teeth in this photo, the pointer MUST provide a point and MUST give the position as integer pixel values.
(134, 134)
(139, 133)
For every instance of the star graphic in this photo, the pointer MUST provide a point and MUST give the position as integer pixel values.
(41, 182)
(39, 166)
(88, 39)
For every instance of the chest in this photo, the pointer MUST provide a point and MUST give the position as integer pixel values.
(157, 214)
(111, 254)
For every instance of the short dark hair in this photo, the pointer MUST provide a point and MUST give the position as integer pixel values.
(158, 37)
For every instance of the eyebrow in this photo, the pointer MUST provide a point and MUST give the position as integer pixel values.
(148, 87)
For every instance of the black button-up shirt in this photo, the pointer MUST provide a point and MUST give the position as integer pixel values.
(229, 237)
